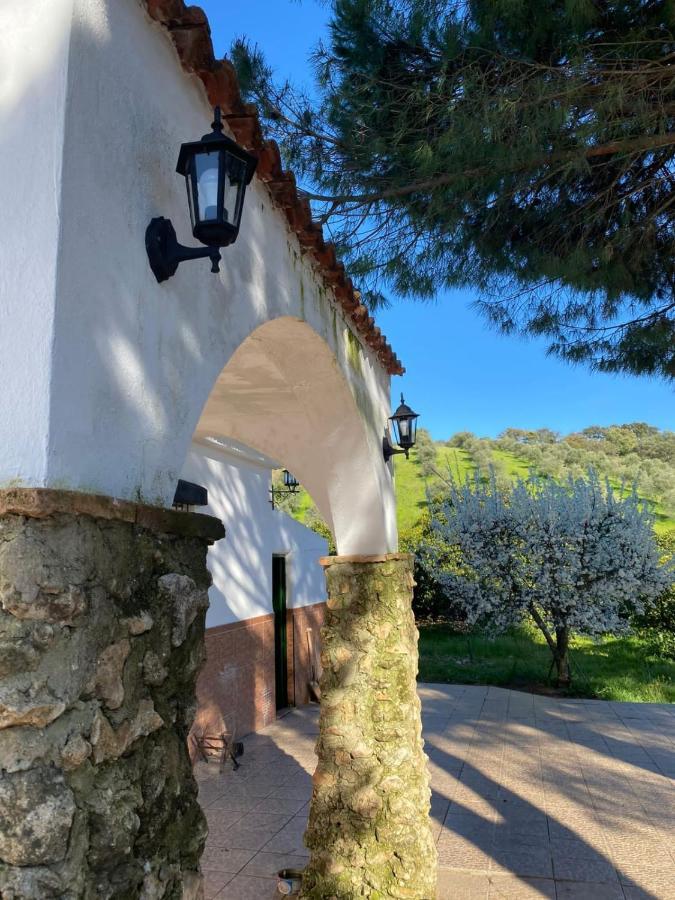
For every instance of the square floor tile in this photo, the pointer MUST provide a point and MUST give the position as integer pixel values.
(579, 868)
(535, 862)
(456, 885)
(588, 890)
(220, 860)
(214, 882)
(247, 887)
(514, 888)
(253, 839)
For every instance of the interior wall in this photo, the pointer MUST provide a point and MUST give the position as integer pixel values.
(241, 564)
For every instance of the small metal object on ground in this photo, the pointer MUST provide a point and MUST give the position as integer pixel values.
(219, 748)
(289, 882)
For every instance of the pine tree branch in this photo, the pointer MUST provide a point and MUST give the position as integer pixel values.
(638, 145)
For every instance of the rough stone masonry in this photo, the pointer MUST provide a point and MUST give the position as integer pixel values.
(102, 608)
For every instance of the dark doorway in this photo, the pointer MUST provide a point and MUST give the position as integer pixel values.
(280, 639)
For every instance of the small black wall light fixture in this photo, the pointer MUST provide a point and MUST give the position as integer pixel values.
(189, 494)
(217, 172)
(291, 486)
(404, 422)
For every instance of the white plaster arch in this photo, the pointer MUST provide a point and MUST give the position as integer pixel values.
(283, 393)
(107, 372)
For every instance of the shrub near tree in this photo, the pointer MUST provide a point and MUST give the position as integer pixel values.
(657, 623)
(430, 602)
(426, 452)
(571, 557)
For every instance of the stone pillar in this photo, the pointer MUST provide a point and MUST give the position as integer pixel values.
(102, 607)
(369, 831)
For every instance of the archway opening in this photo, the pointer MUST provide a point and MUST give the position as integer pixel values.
(282, 400)
(284, 394)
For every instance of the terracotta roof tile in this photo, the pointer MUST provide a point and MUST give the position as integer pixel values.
(191, 34)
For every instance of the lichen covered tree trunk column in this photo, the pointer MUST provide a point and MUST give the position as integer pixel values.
(102, 608)
(369, 832)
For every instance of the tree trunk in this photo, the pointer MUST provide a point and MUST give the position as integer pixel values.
(562, 639)
(369, 832)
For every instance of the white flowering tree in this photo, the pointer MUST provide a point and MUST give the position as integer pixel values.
(572, 556)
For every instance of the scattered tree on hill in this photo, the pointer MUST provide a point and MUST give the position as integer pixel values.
(525, 147)
(572, 557)
(634, 453)
(460, 439)
(426, 452)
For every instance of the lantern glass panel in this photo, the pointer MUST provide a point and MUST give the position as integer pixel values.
(233, 198)
(188, 182)
(405, 428)
(413, 430)
(207, 169)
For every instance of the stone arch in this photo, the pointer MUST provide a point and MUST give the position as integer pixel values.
(283, 393)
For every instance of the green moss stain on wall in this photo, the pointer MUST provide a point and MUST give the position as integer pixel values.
(302, 300)
(336, 342)
(353, 348)
(364, 403)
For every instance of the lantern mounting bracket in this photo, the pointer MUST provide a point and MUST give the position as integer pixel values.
(389, 451)
(166, 254)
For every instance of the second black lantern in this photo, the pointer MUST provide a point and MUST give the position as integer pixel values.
(404, 422)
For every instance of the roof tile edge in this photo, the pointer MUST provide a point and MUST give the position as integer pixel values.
(191, 34)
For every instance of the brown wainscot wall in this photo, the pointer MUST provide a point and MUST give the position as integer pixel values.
(236, 689)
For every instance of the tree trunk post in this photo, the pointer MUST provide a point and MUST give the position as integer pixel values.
(562, 639)
(369, 831)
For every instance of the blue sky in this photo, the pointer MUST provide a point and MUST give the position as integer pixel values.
(461, 376)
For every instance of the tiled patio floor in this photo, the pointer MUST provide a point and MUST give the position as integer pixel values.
(533, 797)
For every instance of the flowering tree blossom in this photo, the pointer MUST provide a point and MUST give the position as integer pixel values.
(572, 556)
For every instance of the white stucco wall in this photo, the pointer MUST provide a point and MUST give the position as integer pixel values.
(109, 371)
(241, 564)
(33, 81)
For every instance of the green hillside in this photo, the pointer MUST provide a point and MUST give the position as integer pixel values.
(624, 454)
(411, 483)
(648, 461)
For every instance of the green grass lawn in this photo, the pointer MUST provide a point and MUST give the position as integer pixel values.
(612, 668)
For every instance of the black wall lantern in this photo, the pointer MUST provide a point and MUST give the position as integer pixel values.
(404, 422)
(189, 494)
(291, 485)
(217, 172)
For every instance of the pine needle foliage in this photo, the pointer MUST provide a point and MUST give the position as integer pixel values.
(521, 147)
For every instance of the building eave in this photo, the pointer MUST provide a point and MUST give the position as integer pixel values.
(190, 32)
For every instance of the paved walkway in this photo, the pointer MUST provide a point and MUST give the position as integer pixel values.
(532, 797)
